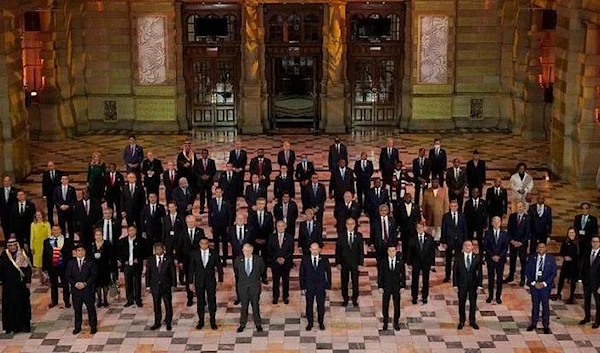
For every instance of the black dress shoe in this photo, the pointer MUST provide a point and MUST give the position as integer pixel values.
(584, 321)
(558, 297)
(460, 326)
(498, 301)
(546, 331)
(128, 304)
(385, 327)
(50, 306)
(140, 305)
(446, 280)
(105, 304)
(154, 327)
(236, 302)
(259, 329)
(286, 301)
(322, 326)
(67, 305)
(508, 280)
(488, 300)
(169, 327)
(424, 301)
(309, 327)
(213, 326)
(595, 325)
(433, 270)
(570, 301)
(190, 302)
(99, 305)
(355, 304)
(93, 330)
(397, 326)
(530, 328)
(474, 326)
(275, 301)
(76, 331)
(414, 301)
(240, 329)
(522, 284)
(200, 326)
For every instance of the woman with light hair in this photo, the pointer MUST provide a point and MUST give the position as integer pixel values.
(95, 177)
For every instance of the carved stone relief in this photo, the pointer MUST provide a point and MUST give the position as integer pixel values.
(151, 50)
(433, 49)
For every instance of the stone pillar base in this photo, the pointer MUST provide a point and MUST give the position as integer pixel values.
(334, 105)
(251, 110)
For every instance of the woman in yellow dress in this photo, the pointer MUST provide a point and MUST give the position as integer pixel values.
(40, 230)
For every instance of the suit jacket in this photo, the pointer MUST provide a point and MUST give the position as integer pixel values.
(421, 171)
(373, 202)
(388, 162)
(315, 279)
(589, 230)
(302, 174)
(341, 213)
(590, 272)
(251, 196)
(305, 238)
(187, 172)
(236, 245)
(548, 272)
(452, 234)
(48, 250)
(338, 185)
(497, 205)
(210, 171)
(392, 281)
(421, 257)
(156, 167)
(185, 245)
(238, 162)
(48, 185)
(349, 256)
(183, 199)
(160, 281)
(258, 232)
(292, 214)
(434, 207)
(84, 222)
(205, 277)
(493, 248)
(518, 231)
(377, 234)
(286, 250)
(219, 218)
(316, 200)
(477, 218)
(87, 274)
(20, 223)
(229, 186)
(170, 185)
(170, 230)
(5, 207)
(140, 251)
(70, 200)
(267, 168)
(363, 176)
(407, 222)
(152, 224)
(476, 174)
(290, 163)
(282, 185)
(116, 229)
(132, 204)
(456, 184)
(113, 189)
(439, 161)
(133, 158)
(541, 227)
(334, 156)
(258, 274)
(467, 279)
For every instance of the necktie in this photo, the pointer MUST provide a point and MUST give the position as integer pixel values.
(192, 236)
(80, 264)
(240, 234)
(185, 191)
(476, 204)
(131, 189)
(112, 178)
(87, 207)
(392, 264)
(205, 163)
(498, 191)
(287, 156)
(338, 149)
(248, 267)
(389, 152)
(496, 236)
(520, 218)
(172, 220)
(468, 262)
(377, 192)
(456, 173)
(421, 162)
(437, 151)
(455, 219)
(260, 167)
(540, 210)
(364, 165)
(52, 175)
(309, 226)
(304, 167)
(22, 208)
(280, 240)
(160, 262)
(350, 239)
(540, 267)
(342, 173)
(6, 193)
(204, 258)
(285, 209)
(385, 230)
(260, 219)
(315, 262)
(64, 192)
(219, 205)
(421, 241)
(255, 189)
(315, 188)
(132, 150)
(106, 228)
(172, 177)
(593, 257)
(152, 210)
(583, 221)
(237, 154)
(229, 177)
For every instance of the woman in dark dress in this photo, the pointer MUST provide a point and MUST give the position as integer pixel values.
(104, 255)
(95, 177)
(569, 251)
(15, 274)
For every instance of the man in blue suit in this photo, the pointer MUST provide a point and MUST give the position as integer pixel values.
(539, 272)
(495, 244)
(315, 279)
(133, 156)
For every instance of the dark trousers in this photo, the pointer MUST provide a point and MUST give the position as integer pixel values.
(205, 191)
(260, 249)
(361, 194)
(347, 273)
(50, 207)
(414, 288)
(281, 273)
(55, 274)
(65, 221)
(418, 190)
(220, 241)
(133, 283)
(250, 295)
(206, 295)
(167, 298)
(89, 301)
(451, 251)
(540, 296)
(462, 303)
(310, 302)
(521, 253)
(561, 282)
(183, 276)
(475, 233)
(114, 201)
(385, 305)
(152, 187)
(495, 271)
(587, 303)
(135, 218)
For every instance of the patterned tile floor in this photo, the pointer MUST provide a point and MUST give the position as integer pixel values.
(425, 328)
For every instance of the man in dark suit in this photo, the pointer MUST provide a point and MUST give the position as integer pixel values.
(254, 191)
(171, 225)
(391, 282)
(261, 225)
(316, 196)
(586, 227)
(184, 198)
(349, 255)
(590, 276)
(133, 250)
(439, 161)
(261, 166)
(170, 180)
(114, 182)
(65, 198)
(421, 174)
(284, 183)
(87, 213)
(383, 233)
(111, 229)
(518, 234)
(456, 179)
(21, 217)
(315, 279)
(281, 260)
(378, 195)
(337, 151)
(496, 198)
(287, 157)
(50, 180)
(421, 256)
(388, 157)
(310, 231)
(341, 180)
(467, 278)
(363, 169)
(133, 199)
(188, 239)
(475, 173)
(204, 263)
(186, 165)
(476, 213)
(238, 236)
(540, 216)
(286, 210)
(152, 169)
(81, 275)
(160, 279)
(495, 246)
(238, 159)
(344, 210)
(250, 270)
(8, 199)
(303, 172)
(454, 232)
(133, 155)
(206, 170)
(228, 183)
(152, 218)
(219, 218)
(406, 214)
(540, 272)
(57, 253)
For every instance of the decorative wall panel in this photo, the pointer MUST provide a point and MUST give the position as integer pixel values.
(151, 50)
(433, 49)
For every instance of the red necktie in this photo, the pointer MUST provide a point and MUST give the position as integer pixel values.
(260, 166)
(205, 162)
(112, 179)
(172, 177)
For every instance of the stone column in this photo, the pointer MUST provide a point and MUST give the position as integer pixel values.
(251, 121)
(334, 67)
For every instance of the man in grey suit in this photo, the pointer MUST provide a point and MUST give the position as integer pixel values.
(249, 270)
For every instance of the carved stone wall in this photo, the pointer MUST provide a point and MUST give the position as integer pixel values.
(433, 49)
(152, 61)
